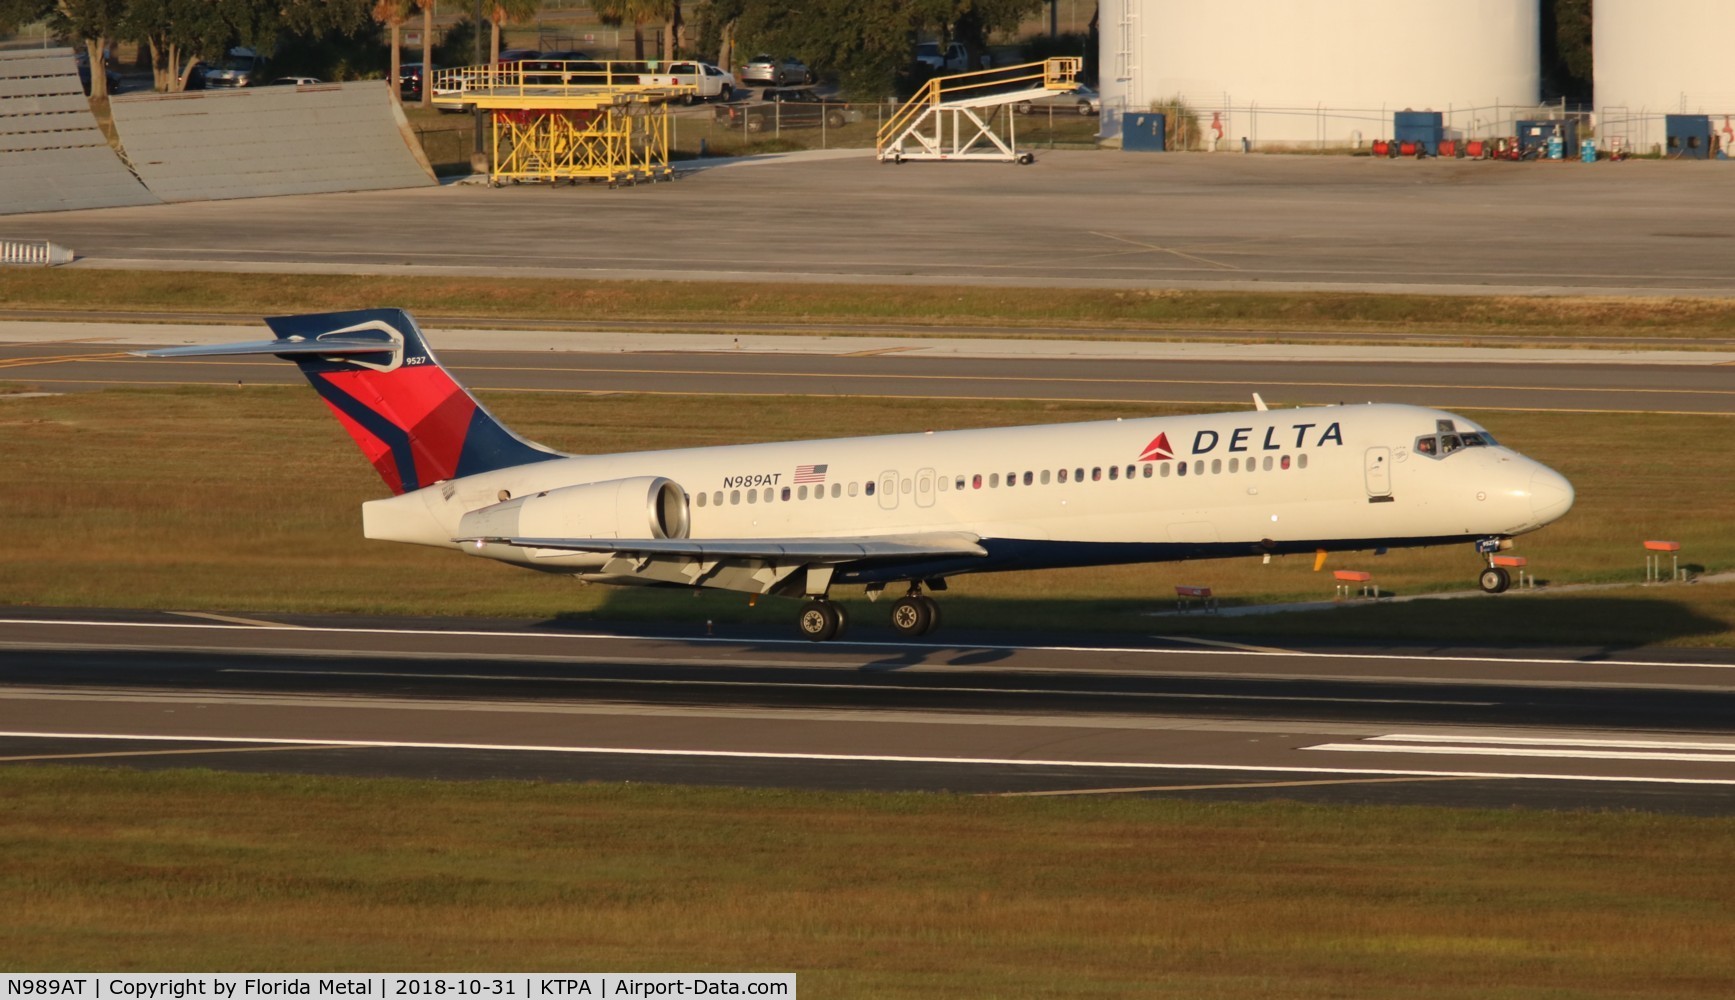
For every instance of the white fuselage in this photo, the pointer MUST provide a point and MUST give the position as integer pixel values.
(1068, 494)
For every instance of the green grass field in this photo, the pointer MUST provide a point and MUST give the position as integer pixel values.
(863, 895)
(1452, 320)
(246, 499)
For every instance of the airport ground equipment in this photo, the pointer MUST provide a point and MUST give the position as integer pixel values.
(952, 117)
(1655, 550)
(569, 121)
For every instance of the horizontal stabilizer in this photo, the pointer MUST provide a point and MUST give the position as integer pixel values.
(329, 346)
(806, 549)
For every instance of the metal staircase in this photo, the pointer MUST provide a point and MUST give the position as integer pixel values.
(952, 117)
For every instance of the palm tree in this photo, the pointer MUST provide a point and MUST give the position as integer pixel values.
(393, 14)
(641, 12)
(427, 52)
(504, 11)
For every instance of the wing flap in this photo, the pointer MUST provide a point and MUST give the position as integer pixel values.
(851, 549)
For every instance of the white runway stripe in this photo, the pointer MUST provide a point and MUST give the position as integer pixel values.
(870, 758)
(1559, 741)
(1558, 753)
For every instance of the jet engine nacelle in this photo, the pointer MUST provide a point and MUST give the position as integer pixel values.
(641, 507)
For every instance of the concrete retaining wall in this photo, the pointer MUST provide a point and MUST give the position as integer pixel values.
(270, 141)
(52, 155)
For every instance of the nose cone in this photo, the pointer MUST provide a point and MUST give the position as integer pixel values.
(1550, 495)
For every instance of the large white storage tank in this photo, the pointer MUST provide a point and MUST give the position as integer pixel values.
(1661, 57)
(1321, 72)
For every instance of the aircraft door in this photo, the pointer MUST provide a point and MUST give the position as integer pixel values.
(1379, 474)
(889, 489)
(925, 488)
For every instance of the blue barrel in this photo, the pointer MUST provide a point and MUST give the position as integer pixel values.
(1142, 132)
(1587, 150)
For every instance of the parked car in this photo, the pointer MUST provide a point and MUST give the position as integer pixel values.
(956, 58)
(240, 68)
(113, 78)
(410, 81)
(787, 107)
(1083, 101)
(294, 81)
(764, 69)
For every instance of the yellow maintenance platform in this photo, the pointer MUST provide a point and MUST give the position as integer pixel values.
(945, 119)
(566, 121)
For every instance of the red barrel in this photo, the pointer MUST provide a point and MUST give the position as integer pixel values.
(1407, 149)
(1448, 147)
(1381, 147)
(1475, 149)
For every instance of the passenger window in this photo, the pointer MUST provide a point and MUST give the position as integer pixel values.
(752, 496)
(1062, 475)
(1267, 463)
(1096, 474)
(852, 490)
(904, 487)
(801, 494)
(786, 493)
(994, 480)
(734, 497)
(837, 490)
(1234, 465)
(976, 481)
(1147, 470)
(1045, 477)
(1114, 472)
(870, 488)
(960, 482)
(945, 484)
(1285, 461)
(1216, 466)
(1078, 475)
(701, 499)
(1165, 470)
(717, 499)
(1301, 460)
(1011, 479)
(1130, 470)
(1199, 467)
(1027, 478)
(1180, 468)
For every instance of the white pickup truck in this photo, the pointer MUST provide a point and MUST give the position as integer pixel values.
(710, 82)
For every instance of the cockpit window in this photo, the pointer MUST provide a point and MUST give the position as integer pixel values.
(1441, 445)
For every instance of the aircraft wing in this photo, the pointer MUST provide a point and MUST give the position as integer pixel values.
(812, 550)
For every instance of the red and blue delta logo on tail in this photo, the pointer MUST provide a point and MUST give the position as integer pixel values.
(412, 421)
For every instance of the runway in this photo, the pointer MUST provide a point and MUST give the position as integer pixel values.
(468, 699)
(915, 369)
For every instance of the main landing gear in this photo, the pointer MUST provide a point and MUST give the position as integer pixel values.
(915, 615)
(912, 616)
(822, 620)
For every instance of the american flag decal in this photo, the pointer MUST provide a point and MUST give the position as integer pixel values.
(810, 473)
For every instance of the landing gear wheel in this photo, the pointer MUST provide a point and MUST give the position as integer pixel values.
(933, 613)
(1026, 159)
(1495, 580)
(820, 620)
(913, 616)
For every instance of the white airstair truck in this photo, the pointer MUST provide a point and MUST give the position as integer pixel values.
(952, 117)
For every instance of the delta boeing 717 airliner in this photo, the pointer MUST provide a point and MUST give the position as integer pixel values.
(797, 519)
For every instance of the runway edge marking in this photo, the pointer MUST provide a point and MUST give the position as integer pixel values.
(870, 758)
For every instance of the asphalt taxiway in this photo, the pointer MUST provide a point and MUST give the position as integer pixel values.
(1075, 218)
(553, 701)
(70, 356)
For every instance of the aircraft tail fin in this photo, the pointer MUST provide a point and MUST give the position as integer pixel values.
(411, 419)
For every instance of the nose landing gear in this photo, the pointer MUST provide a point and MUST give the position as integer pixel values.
(1495, 580)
